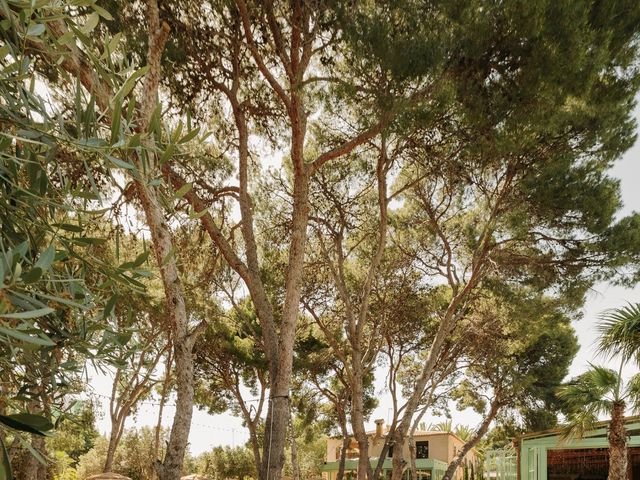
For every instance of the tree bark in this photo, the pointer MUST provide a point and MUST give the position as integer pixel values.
(412, 456)
(28, 467)
(171, 467)
(357, 420)
(114, 440)
(617, 443)
(281, 362)
(295, 465)
(383, 456)
(343, 454)
(414, 426)
(76, 64)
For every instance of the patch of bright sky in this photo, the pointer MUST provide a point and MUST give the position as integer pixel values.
(208, 431)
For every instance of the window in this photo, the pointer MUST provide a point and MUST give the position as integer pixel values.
(390, 451)
(422, 449)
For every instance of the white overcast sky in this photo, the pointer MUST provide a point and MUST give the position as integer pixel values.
(208, 431)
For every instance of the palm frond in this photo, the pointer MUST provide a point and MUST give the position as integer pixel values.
(578, 423)
(444, 426)
(632, 393)
(603, 378)
(464, 432)
(619, 330)
(590, 388)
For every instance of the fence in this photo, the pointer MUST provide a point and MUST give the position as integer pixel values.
(500, 464)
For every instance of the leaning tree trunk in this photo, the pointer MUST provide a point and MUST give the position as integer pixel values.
(114, 439)
(473, 441)
(412, 457)
(171, 467)
(343, 455)
(117, 428)
(412, 440)
(617, 443)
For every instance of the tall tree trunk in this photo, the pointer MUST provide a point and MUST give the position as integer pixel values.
(28, 465)
(397, 462)
(295, 464)
(171, 467)
(76, 64)
(617, 443)
(473, 441)
(411, 406)
(357, 418)
(412, 441)
(41, 470)
(281, 361)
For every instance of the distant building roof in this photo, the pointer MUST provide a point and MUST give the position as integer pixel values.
(417, 433)
(556, 431)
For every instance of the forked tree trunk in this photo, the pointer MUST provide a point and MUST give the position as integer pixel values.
(617, 443)
(114, 440)
(412, 404)
(412, 441)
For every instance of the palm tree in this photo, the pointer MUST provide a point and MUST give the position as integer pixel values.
(444, 426)
(602, 391)
(620, 332)
(464, 432)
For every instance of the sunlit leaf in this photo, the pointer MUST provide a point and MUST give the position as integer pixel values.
(27, 422)
(40, 312)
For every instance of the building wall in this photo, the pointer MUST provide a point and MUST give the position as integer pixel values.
(442, 446)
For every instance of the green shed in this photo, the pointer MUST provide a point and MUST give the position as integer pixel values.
(548, 455)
